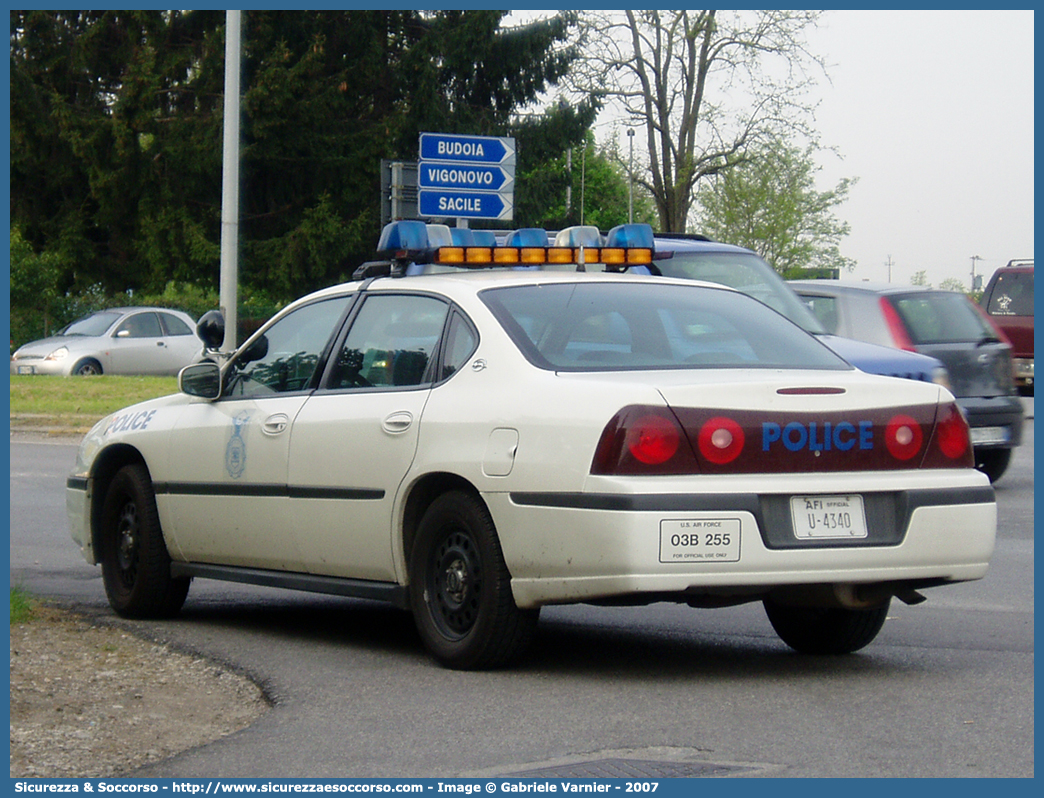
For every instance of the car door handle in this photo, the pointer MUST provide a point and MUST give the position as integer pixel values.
(398, 422)
(275, 424)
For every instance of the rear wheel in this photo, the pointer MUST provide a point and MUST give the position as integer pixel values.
(135, 562)
(825, 630)
(993, 462)
(460, 588)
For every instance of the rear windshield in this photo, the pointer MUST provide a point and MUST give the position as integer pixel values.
(1012, 295)
(596, 326)
(942, 318)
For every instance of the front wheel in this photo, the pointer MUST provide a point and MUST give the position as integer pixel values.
(460, 588)
(823, 630)
(89, 367)
(134, 558)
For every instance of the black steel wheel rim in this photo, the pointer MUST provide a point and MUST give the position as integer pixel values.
(455, 585)
(127, 543)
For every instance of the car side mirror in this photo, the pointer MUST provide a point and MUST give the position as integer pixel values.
(257, 349)
(211, 329)
(201, 379)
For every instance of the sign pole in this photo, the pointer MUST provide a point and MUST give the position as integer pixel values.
(229, 293)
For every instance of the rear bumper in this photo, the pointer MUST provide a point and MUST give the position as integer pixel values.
(563, 548)
(1002, 415)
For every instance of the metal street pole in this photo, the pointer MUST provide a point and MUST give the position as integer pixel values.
(630, 177)
(229, 294)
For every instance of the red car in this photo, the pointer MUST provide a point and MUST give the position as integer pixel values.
(1008, 299)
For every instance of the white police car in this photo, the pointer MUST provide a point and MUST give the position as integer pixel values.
(477, 444)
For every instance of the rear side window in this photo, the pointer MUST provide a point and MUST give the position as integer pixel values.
(643, 326)
(824, 308)
(172, 325)
(1012, 295)
(461, 342)
(941, 318)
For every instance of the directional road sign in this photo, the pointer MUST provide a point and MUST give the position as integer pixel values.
(466, 177)
(469, 204)
(466, 149)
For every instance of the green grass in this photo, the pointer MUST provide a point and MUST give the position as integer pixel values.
(76, 402)
(23, 607)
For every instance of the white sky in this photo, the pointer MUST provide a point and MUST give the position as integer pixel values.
(933, 112)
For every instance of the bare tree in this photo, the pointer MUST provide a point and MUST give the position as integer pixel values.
(704, 86)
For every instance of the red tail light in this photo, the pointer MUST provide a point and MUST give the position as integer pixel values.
(952, 438)
(903, 437)
(653, 439)
(644, 441)
(895, 325)
(721, 440)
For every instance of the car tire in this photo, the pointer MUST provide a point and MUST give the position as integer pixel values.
(825, 630)
(460, 588)
(89, 367)
(134, 558)
(993, 462)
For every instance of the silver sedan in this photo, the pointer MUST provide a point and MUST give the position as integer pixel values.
(115, 341)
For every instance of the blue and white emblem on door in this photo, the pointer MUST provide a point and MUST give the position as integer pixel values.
(235, 452)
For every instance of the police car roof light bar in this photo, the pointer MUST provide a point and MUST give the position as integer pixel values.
(407, 242)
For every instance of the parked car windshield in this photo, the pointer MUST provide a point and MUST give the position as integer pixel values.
(942, 318)
(94, 324)
(644, 326)
(745, 272)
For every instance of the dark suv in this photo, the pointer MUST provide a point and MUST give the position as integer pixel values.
(1008, 299)
(946, 325)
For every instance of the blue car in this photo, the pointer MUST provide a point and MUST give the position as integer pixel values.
(696, 258)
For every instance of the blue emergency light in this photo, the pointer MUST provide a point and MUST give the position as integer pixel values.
(526, 237)
(463, 237)
(403, 235)
(631, 236)
(410, 245)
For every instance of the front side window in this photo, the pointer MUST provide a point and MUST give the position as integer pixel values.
(627, 326)
(391, 343)
(284, 358)
(140, 325)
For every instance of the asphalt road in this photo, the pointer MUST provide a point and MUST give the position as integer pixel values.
(946, 690)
